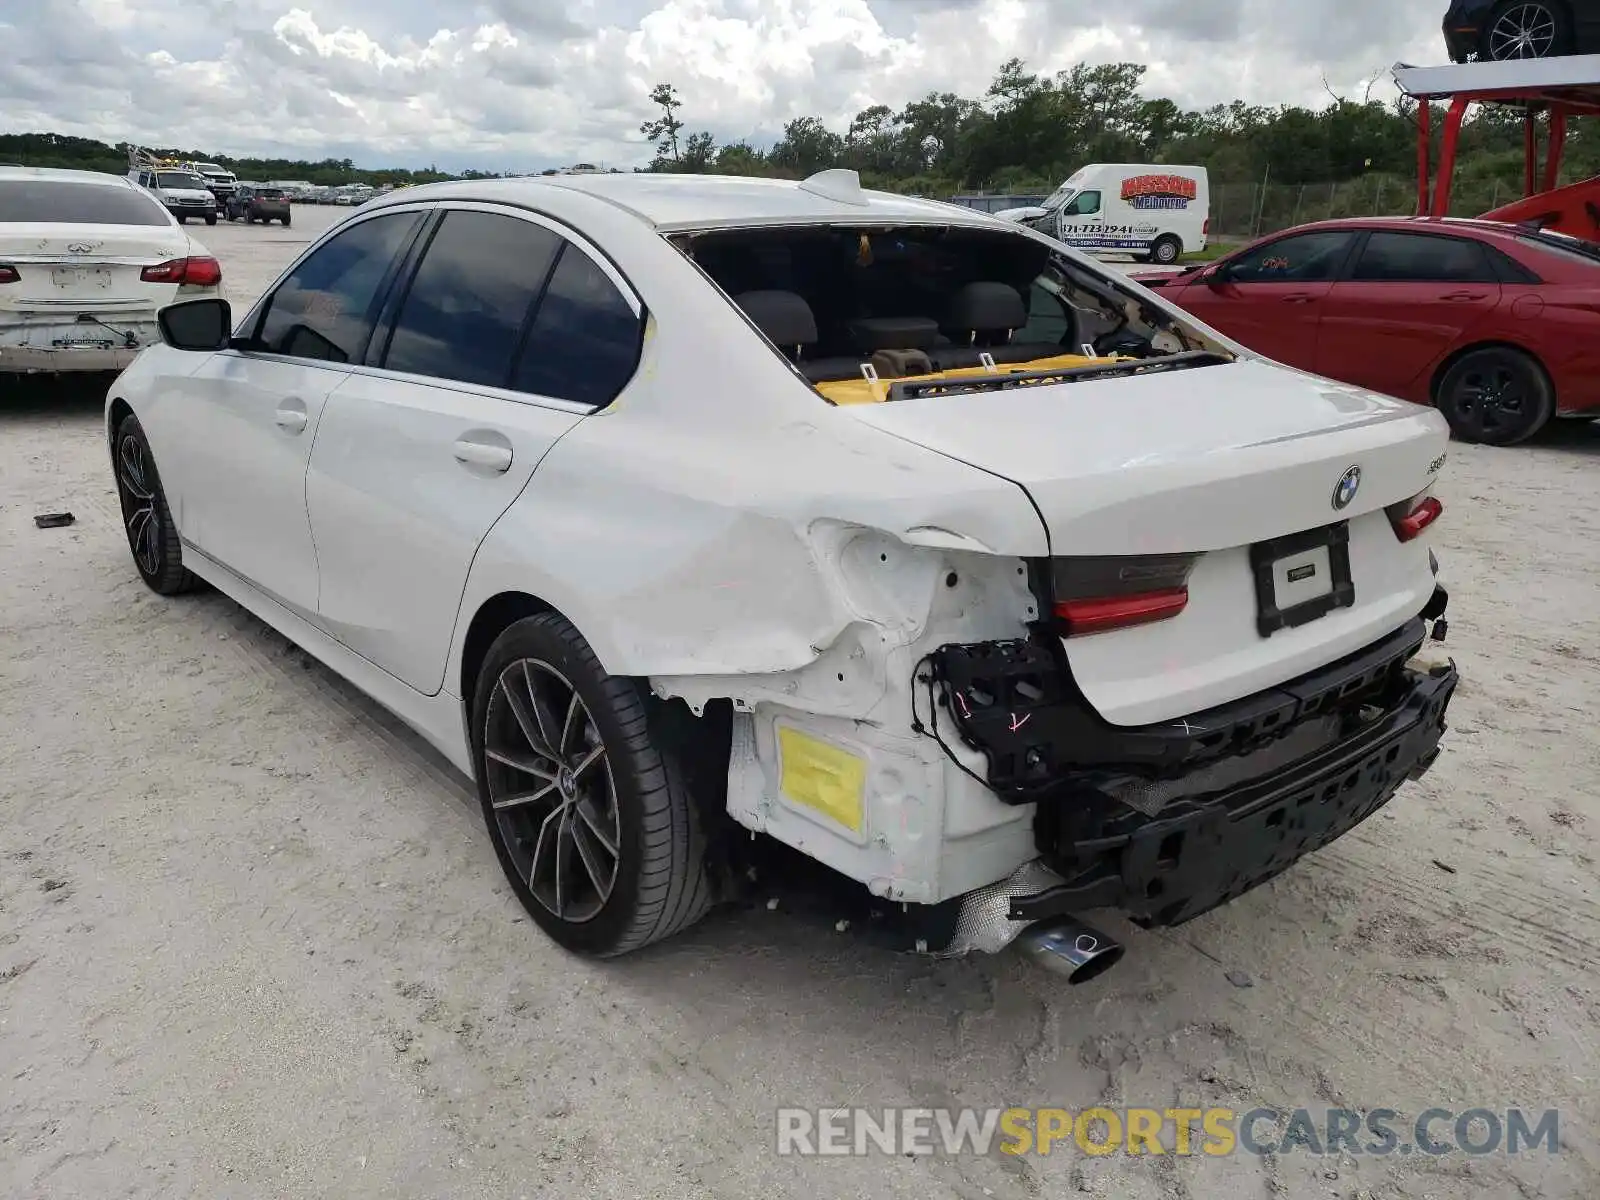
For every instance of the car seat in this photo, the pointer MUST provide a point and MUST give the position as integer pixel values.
(981, 319)
(789, 323)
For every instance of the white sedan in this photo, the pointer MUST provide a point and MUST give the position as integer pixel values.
(86, 261)
(706, 521)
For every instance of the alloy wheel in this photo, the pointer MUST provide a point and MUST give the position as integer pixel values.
(1492, 399)
(551, 790)
(1523, 31)
(140, 512)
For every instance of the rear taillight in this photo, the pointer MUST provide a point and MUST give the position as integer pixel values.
(1411, 517)
(8, 274)
(1097, 595)
(199, 272)
(1205, 227)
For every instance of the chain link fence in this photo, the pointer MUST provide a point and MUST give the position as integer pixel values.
(1242, 211)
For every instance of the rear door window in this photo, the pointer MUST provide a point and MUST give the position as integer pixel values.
(586, 336)
(1301, 258)
(1422, 258)
(467, 306)
(327, 307)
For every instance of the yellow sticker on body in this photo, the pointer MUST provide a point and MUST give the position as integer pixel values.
(822, 777)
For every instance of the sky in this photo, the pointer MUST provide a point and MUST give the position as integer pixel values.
(514, 85)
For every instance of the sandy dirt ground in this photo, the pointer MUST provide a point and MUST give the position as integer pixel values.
(254, 942)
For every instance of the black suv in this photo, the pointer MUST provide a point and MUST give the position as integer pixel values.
(258, 202)
(1495, 30)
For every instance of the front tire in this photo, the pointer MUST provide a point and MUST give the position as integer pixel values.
(146, 519)
(1166, 250)
(1498, 396)
(211, 219)
(591, 820)
(1519, 29)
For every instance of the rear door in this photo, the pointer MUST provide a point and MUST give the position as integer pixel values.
(1407, 301)
(509, 333)
(1270, 297)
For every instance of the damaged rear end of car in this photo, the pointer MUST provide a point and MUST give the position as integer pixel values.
(1220, 662)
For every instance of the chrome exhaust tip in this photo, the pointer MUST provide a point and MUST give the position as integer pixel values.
(1066, 946)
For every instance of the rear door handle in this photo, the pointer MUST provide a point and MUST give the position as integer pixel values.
(489, 455)
(1299, 298)
(1464, 296)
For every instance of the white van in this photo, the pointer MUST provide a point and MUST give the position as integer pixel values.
(1153, 210)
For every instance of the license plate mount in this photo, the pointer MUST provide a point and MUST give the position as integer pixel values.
(1301, 577)
(72, 279)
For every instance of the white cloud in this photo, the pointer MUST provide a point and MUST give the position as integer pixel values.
(511, 84)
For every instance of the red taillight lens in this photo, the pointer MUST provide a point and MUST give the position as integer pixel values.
(200, 272)
(8, 274)
(1097, 595)
(203, 272)
(1205, 227)
(1415, 515)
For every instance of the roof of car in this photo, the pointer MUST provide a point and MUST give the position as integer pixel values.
(670, 202)
(64, 175)
(1448, 224)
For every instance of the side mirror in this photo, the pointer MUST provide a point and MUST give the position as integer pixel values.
(198, 325)
(1215, 277)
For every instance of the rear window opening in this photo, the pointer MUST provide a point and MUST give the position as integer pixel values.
(871, 314)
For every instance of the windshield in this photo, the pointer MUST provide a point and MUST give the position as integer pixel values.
(180, 179)
(1060, 196)
(48, 202)
(211, 169)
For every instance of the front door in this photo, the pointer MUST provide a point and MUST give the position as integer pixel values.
(421, 451)
(253, 414)
(1270, 297)
(1080, 223)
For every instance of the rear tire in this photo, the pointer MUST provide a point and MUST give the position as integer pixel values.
(146, 519)
(1520, 29)
(589, 815)
(1165, 250)
(285, 220)
(1496, 395)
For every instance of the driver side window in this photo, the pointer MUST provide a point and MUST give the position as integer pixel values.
(1084, 204)
(326, 309)
(1302, 258)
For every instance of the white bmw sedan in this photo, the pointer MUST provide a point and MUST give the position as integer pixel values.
(86, 260)
(714, 522)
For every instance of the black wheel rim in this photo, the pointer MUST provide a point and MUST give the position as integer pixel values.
(1522, 31)
(552, 791)
(1492, 400)
(140, 513)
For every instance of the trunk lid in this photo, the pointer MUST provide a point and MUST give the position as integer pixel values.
(86, 266)
(1209, 460)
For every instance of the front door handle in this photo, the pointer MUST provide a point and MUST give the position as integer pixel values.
(1464, 296)
(1299, 298)
(291, 416)
(483, 454)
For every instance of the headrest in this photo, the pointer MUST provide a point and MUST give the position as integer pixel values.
(784, 317)
(893, 333)
(986, 308)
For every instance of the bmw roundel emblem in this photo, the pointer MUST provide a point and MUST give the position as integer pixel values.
(1349, 484)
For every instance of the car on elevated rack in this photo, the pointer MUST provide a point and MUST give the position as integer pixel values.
(1494, 324)
(86, 261)
(1496, 30)
(720, 526)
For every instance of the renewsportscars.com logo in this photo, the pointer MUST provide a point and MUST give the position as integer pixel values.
(1213, 1132)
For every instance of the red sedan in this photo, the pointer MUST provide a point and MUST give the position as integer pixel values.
(1496, 325)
